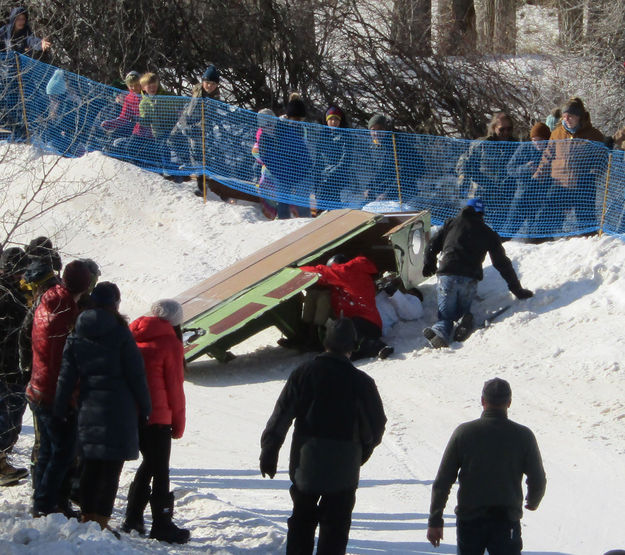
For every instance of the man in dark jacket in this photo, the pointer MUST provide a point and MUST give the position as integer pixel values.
(492, 454)
(12, 400)
(339, 420)
(464, 242)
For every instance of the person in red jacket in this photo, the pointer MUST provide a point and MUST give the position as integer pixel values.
(53, 320)
(159, 340)
(353, 293)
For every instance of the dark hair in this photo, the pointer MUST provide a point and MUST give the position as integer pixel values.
(497, 117)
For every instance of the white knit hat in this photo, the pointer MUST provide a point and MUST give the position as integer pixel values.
(169, 310)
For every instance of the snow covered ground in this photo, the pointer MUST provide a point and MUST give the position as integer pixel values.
(562, 352)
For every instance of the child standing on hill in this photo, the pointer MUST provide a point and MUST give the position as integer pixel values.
(159, 340)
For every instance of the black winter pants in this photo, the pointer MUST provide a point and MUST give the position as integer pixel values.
(98, 486)
(155, 446)
(333, 513)
(498, 535)
(369, 342)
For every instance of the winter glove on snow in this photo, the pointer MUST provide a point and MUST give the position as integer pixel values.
(268, 463)
(523, 293)
(429, 269)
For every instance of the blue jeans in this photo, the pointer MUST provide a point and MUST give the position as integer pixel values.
(455, 295)
(57, 449)
(499, 536)
(12, 407)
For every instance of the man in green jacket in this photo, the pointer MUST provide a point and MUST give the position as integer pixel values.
(492, 453)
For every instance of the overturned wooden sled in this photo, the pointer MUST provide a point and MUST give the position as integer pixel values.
(262, 290)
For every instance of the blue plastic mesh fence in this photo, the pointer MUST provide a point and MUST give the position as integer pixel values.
(529, 189)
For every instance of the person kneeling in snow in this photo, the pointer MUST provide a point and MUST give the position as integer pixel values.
(353, 296)
(464, 242)
(339, 420)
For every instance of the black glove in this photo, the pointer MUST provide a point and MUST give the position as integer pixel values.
(523, 293)
(429, 269)
(268, 463)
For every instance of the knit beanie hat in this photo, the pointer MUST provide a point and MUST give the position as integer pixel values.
(13, 261)
(340, 336)
(211, 74)
(497, 391)
(574, 107)
(132, 77)
(41, 248)
(168, 309)
(381, 120)
(295, 107)
(540, 130)
(335, 112)
(77, 277)
(105, 294)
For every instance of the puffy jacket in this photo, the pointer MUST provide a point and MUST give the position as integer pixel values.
(353, 288)
(54, 317)
(339, 420)
(102, 356)
(128, 116)
(464, 242)
(568, 162)
(163, 355)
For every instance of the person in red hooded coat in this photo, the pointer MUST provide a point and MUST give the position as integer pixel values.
(159, 340)
(353, 293)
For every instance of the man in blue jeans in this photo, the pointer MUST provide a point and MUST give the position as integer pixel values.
(463, 243)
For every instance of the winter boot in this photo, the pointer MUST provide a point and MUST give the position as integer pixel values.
(464, 327)
(163, 529)
(137, 501)
(435, 340)
(102, 520)
(10, 475)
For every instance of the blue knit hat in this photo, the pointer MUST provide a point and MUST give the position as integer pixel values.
(476, 204)
(211, 74)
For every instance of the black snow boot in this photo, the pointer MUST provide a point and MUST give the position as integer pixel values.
(163, 529)
(464, 327)
(435, 341)
(138, 498)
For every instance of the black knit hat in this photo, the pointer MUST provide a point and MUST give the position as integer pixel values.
(41, 247)
(13, 261)
(340, 336)
(295, 107)
(105, 294)
(496, 392)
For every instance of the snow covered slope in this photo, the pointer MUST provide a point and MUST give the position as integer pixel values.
(562, 352)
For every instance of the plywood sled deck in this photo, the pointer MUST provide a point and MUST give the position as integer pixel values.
(263, 289)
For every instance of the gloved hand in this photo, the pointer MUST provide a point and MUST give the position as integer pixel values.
(522, 293)
(429, 269)
(268, 463)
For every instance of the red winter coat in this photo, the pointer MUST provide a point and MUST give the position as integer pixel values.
(54, 318)
(353, 288)
(162, 354)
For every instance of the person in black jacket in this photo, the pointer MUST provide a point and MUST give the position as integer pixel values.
(339, 420)
(12, 383)
(492, 454)
(464, 242)
(102, 359)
